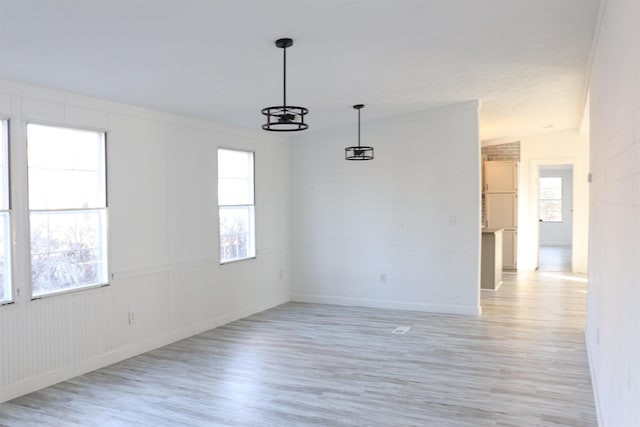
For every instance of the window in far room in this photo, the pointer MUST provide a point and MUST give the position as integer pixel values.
(550, 199)
(236, 205)
(67, 208)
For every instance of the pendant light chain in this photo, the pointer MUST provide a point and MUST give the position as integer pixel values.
(284, 77)
(358, 127)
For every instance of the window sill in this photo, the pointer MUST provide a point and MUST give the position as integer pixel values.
(69, 291)
(233, 261)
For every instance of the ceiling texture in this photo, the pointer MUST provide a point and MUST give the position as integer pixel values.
(526, 60)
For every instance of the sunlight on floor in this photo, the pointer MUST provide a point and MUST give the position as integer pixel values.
(564, 277)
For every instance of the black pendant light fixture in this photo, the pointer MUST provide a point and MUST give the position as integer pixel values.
(285, 118)
(359, 152)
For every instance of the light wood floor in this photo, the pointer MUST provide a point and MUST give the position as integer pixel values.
(522, 363)
(554, 258)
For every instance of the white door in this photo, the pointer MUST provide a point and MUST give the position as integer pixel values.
(555, 210)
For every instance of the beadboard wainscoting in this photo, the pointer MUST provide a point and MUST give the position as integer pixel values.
(76, 333)
(165, 282)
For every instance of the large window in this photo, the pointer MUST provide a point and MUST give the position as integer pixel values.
(236, 205)
(6, 294)
(551, 199)
(67, 208)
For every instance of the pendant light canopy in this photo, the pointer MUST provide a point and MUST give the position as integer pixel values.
(285, 118)
(359, 152)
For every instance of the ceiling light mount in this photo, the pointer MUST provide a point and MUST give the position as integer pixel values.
(285, 118)
(359, 152)
(284, 43)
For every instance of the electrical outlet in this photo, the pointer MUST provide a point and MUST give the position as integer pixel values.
(132, 317)
(383, 278)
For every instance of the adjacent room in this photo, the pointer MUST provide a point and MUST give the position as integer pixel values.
(323, 212)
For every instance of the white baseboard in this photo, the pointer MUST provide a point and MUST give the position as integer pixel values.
(120, 354)
(54, 377)
(394, 305)
(216, 322)
(494, 289)
(594, 384)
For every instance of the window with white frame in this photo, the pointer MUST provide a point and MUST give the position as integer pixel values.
(67, 208)
(6, 292)
(236, 205)
(550, 193)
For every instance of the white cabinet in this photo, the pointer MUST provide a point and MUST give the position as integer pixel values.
(501, 177)
(509, 249)
(491, 264)
(501, 199)
(502, 210)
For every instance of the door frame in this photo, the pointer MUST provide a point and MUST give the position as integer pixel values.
(534, 203)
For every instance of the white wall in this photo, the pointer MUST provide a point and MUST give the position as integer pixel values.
(162, 183)
(613, 313)
(559, 233)
(554, 148)
(412, 214)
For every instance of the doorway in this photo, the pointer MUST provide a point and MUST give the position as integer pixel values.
(555, 213)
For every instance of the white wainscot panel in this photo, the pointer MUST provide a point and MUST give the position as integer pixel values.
(137, 193)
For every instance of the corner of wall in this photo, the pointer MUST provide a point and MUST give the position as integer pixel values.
(591, 354)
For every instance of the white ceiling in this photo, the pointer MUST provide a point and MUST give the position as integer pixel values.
(526, 60)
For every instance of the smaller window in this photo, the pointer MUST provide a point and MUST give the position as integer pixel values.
(236, 205)
(551, 199)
